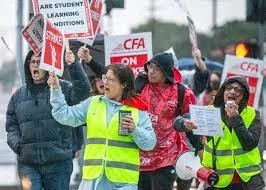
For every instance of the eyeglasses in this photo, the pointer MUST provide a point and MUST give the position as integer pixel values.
(153, 67)
(108, 79)
(33, 62)
(237, 90)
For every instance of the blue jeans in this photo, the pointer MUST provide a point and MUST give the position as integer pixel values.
(54, 176)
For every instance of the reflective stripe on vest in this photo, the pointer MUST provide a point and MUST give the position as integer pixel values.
(105, 150)
(230, 155)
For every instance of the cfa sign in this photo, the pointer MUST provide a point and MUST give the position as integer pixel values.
(248, 68)
(133, 49)
(135, 43)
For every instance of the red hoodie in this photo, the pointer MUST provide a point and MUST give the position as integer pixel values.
(162, 103)
(136, 102)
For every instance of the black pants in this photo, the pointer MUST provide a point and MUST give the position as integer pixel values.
(183, 184)
(160, 179)
(255, 183)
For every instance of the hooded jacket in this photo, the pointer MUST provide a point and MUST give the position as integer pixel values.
(162, 107)
(32, 132)
(249, 138)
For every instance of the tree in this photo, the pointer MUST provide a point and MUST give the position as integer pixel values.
(167, 34)
(232, 32)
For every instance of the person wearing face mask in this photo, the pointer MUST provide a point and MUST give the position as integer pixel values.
(43, 146)
(111, 159)
(235, 156)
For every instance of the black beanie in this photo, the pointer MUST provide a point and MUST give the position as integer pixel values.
(166, 62)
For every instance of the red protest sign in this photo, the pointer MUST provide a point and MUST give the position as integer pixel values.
(134, 61)
(96, 7)
(53, 49)
(96, 13)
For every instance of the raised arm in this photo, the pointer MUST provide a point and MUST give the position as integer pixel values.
(80, 87)
(62, 113)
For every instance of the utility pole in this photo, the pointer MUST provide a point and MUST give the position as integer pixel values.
(261, 28)
(214, 14)
(152, 14)
(19, 45)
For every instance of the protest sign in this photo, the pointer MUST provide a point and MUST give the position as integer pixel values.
(44, 37)
(133, 50)
(96, 7)
(207, 119)
(191, 26)
(192, 32)
(33, 33)
(53, 49)
(172, 51)
(72, 17)
(250, 69)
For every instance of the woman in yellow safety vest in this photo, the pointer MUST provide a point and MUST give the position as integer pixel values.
(235, 156)
(117, 128)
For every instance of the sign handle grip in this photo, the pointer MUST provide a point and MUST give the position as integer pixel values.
(67, 44)
(80, 60)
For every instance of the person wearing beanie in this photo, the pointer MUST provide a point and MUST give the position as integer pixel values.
(159, 87)
(235, 155)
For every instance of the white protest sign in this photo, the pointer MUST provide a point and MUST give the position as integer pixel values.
(192, 32)
(33, 33)
(172, 51)
(207, 119)
(53, 49)
(71, 16)
(250, 69)
(133, 50)
(191, 26)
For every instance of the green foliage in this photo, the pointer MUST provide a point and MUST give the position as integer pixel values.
(233, 32)
(167, 34)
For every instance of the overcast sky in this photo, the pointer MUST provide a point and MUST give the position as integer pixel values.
(136, 12)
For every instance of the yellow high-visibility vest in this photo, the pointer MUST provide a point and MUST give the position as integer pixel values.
(105, 150)
(230, 155)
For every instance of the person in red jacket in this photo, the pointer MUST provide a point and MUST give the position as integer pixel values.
(159, 88)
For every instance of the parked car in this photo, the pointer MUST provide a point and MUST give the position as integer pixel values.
(187, 63)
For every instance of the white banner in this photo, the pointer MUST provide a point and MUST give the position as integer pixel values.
(133, 50)
(73, 17)
(248, 68)
(33, 33)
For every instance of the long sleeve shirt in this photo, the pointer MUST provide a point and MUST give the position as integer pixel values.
(143, 135)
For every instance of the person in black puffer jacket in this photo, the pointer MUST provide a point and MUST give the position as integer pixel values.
(43, 146)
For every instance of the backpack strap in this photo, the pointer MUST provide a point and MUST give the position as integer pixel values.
(180, 96)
